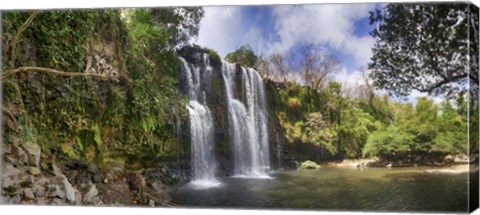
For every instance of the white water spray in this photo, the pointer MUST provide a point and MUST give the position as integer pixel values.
(201, 129)
(247, 122)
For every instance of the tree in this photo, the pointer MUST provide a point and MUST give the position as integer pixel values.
(425, 47)
(182, 23)
(280, 65)
(315, 64)
(243, 56)
(354, 128)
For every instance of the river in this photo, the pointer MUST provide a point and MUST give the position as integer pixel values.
(371, 189)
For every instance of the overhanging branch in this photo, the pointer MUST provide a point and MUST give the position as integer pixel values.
(59, 73)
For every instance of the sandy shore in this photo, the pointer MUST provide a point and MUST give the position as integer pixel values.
(455, 169)
(364, 163)
(350, 163)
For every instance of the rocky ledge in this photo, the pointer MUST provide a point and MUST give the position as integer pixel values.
(66, 181)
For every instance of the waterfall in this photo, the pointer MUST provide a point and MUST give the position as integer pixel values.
(201, 128)
(247, 122)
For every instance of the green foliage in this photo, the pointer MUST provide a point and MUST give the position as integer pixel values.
(243, 56)
(294, 103)
(421, 135)
(28, 133)
(370, 125)
(308, 164)
(214, 56)
(473, 127)
(304, 124)
(317, 132)
(354, 129)
(181, 23)
(91, 119)
(59, 37)
(188, 52)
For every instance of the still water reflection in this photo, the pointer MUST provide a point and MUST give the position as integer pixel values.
(372, 189)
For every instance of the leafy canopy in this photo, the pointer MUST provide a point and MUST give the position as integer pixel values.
(425, 47)
(243, 56)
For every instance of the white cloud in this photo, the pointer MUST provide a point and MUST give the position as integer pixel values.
(220, 28)
(416, 94)
(254, 38)
(325, 24)
(328, 24)
(351, 79)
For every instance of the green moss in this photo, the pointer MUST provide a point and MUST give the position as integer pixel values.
(309, 165)
(215, 59)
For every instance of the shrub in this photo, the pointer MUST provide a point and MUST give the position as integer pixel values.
(294, 103)
(308, 164)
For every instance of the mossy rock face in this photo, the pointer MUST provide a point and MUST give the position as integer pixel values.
(309, 165)
(189, 52)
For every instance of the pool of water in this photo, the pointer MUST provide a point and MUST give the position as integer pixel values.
(372, 189)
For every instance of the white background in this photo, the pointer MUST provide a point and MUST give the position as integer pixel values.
(68, 210)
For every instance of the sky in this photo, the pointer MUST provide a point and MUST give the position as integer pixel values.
(340, 29)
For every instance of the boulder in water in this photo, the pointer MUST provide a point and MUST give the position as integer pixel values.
(309, 165)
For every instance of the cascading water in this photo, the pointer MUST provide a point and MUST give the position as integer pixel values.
(201, 128)
(247, 122)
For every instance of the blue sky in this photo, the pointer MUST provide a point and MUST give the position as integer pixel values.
(341, 29)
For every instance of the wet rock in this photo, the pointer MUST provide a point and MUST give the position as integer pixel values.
(118, 172)
(109, 177)
(78, 197)
(83, 178)
(38, 190)
(75, 164)
(96, 178)
(33, 152)
(72, 175)
(20, 153)
(83, 186)
(40, 201)
(9, 170)
(56, 171)
(91, 194)
(57, 201)
(151, 203)
(33, 170)
(92, 168)
(17, 199)
(7, 148)
(69, 190)
(158, 186)
(114, 193)
(11, 160)
(56, 192)
(27, 181)
(42, 181)
(28, 194)
(98, 202)
(9, 185)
